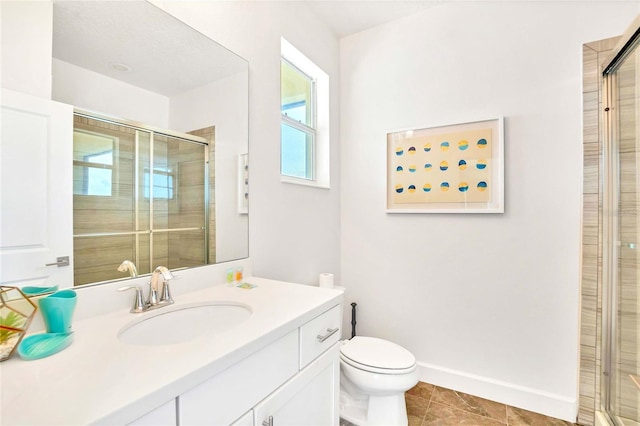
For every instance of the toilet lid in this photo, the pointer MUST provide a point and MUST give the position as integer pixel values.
(377, 353)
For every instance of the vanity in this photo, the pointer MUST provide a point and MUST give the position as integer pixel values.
(279, 364)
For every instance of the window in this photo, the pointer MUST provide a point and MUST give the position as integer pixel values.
(298, 133)
(93, 163)
(304, 112)
(163, 183)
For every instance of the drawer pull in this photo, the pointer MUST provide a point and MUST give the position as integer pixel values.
(268, 422)
(330, 332)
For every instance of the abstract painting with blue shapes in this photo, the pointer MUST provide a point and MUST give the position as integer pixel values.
(470, 182)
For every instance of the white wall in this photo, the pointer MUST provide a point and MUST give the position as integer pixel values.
(224, 104)
(294, 230)
(487, 303)
(92, 91)
(25, 36)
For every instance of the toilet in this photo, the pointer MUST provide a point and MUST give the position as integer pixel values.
(374, 375)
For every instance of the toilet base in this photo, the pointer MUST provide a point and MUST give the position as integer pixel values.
(374, 410)
(353, 410)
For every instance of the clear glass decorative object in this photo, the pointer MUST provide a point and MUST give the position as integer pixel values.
(16, 313)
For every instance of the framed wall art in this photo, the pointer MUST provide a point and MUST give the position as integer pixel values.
(457, 168)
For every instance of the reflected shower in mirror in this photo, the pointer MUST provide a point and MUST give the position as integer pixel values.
(122, 210)
(160, 130)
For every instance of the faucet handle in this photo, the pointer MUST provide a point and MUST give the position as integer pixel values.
(138, 304)
(166, 298)
(152, 300)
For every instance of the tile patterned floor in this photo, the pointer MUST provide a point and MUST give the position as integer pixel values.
(429, 405)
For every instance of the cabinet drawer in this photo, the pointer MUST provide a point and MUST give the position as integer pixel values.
(226, 396)
(163, 415)
(319, 334)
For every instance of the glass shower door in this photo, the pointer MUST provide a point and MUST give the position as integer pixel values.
(623, 83)
(179, 202)
(139, 196)
(108, 213)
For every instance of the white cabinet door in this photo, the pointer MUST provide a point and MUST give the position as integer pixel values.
(36, 200)
(164, 415)
(310, 398)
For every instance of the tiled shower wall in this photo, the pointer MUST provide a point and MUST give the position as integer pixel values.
(209, 134)
(594, 54)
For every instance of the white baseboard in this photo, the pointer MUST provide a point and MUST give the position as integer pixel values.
(546, 403)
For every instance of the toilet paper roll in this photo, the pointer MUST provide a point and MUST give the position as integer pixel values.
(325, 280)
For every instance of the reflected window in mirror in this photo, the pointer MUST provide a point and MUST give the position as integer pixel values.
(163, 183)
(93, 163)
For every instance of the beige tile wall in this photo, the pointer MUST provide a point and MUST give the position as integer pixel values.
(209, 134)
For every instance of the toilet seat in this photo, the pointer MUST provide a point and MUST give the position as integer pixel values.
(377, 356)
(370, 369)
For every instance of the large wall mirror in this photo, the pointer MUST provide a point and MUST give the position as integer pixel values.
(160, 140)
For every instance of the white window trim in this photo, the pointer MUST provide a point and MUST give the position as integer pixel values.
(322, 139)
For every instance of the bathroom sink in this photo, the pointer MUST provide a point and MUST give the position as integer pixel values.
(178, 324)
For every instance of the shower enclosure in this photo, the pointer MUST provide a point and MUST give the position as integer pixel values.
(620, 390)
(141, 195)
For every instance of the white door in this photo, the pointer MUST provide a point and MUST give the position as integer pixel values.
(36, 201)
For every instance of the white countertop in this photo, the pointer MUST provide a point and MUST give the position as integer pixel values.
(99, 379)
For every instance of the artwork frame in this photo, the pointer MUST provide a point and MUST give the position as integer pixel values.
(455, 168)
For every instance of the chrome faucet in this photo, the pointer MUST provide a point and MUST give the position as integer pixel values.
(153, 301)
(165, 298)
(128, 265)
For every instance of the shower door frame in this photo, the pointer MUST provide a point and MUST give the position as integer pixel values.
(152, 130)
(629, 41)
